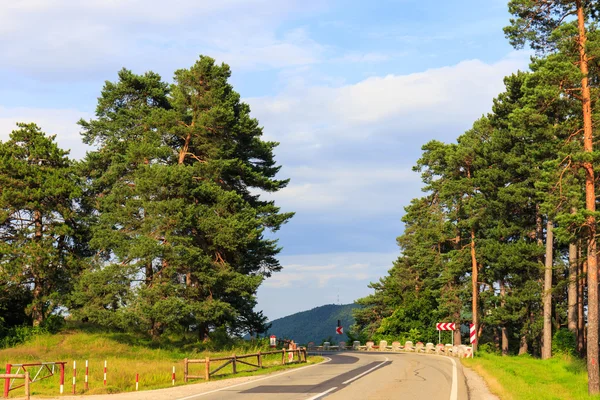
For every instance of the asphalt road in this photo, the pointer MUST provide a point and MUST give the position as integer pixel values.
(356, 376)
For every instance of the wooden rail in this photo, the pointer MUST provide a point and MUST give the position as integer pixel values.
(235, 359)
(8, 377)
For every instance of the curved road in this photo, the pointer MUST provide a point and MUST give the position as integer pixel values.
(356, 376)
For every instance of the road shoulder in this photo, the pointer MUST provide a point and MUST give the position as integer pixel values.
(476, 386)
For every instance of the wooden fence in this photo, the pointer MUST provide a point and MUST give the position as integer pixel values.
(8, 377)
(235, 359)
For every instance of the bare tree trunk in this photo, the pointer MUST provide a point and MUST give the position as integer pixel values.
(503, 326)
(523, 346)
(457, 338)
(572, 289)
(475, 287)
(547, 295)
(590, 205)
(581, 345)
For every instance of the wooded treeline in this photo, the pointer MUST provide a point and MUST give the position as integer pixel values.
(159, 228)
(505, 235)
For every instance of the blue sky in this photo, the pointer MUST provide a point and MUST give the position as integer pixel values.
(351, 89)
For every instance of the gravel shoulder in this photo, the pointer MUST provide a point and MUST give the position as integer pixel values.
(478, 389)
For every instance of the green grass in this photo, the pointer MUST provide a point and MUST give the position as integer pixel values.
(126, 355)
(528, 378)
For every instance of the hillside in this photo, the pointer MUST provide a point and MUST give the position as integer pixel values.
(314, 325)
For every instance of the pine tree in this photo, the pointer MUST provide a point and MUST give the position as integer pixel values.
(174, 181)
(539, 23)
(39, 224)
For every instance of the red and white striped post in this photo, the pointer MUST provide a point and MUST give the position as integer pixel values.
(473, 337)
(137, 381)
(74, 374)
(104, 372)
(62, 377)
(85, 381)
(173, 377)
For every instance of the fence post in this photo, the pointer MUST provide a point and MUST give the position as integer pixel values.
(234, 365)
(185, 370)
(283, 357)
(207, 368)
(7, 381)
(62, 377)
(86, 386)
(74, 375)
(259, 359)
(27, 392)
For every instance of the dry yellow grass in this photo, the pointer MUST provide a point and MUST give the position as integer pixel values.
(124, 359)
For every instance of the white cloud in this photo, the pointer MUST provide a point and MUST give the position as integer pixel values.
(308, 270)
(351, 147)
(68, 39)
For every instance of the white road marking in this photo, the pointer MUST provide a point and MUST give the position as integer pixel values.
(322, 394)
(366, 372)
(454, 389)
(255, 380)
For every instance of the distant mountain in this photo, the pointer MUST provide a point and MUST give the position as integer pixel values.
(315, 325)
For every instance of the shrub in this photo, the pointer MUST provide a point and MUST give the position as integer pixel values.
(564, 342)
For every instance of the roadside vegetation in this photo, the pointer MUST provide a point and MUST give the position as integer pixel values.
(504, 237)
(528, 378)
(127, 355)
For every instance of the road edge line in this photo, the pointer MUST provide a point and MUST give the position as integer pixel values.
(254, 380)
(454, 389)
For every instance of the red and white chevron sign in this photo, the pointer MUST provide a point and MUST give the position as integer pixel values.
(473, 333)
(446, 326)
(339, 330)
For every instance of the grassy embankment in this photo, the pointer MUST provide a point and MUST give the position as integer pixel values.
(528, 378)
(126, 355)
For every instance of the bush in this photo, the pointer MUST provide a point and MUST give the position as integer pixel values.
(489, 348)
(20, 334)
(564, 342)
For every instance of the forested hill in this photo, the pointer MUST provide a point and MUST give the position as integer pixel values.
(315, 325)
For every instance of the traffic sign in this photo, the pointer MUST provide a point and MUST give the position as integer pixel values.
(446, 326)
(273, 341)
(339, 330)
(473, 333)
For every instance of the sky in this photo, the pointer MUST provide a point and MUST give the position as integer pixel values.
(351, 89)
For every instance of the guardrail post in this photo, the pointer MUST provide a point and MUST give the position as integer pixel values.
(259, 359)
(234, 365)
(7, 381)
(27, 392)
(185, 370)
(207, 368)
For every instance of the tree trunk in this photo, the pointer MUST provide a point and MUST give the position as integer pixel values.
(503, 329)
(581, 345)
(547, 295)
(590, 205)
(457, 338)
(184, 150)
(523, 346)
(37, 312)
(475, 286)
(572, 289)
